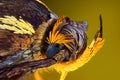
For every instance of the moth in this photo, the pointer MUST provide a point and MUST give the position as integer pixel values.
(32, 37)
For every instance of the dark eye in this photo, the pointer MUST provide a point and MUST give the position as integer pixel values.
(57, 45)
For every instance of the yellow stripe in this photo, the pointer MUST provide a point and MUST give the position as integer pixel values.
(56, 37)
(19, 26)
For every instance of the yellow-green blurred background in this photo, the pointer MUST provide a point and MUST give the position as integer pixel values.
(106, 64)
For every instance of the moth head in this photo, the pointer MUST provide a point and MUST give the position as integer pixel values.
(57, 40)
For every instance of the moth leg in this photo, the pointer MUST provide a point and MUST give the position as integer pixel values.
(62, 55)
(59, 57)
(63, 75)
(10, 60)
(15, 70)
(25, 67)
(13, 59)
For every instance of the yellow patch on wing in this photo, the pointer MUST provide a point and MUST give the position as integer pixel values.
(56, 37)
(19, 26)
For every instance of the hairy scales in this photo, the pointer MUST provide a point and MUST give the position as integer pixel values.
(69, 33)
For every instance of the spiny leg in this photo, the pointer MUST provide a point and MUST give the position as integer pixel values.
(14, 70)
(25, 67)
(63, 75)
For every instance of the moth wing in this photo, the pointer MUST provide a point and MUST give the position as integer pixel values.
(33, 11)
(19, 21)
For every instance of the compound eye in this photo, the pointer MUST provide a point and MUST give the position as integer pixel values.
(57, 45)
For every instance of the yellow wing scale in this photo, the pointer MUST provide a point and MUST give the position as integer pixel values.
(19, 26)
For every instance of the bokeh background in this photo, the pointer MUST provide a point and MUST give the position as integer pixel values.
(106, 64)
